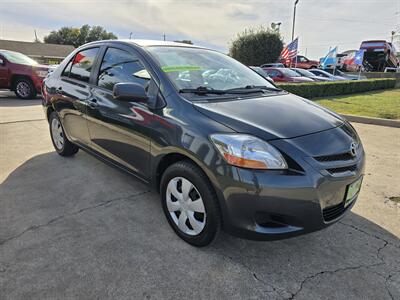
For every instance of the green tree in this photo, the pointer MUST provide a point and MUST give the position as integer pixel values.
(256, 46)
(78, 36)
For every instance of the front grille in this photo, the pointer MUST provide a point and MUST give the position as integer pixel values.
(351, 168)
(334, 157)
(332, 212)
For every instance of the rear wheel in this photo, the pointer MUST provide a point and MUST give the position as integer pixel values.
(60, 142)
(24, 89)
(190, 204)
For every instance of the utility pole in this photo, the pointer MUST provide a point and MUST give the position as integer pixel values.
(164, 37)
(130, 35)
(392, 37)
(294, 18)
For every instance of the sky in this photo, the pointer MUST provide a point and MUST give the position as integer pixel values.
(320, 24)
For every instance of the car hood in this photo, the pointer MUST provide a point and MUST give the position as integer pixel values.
(40, 67)
(272, 117)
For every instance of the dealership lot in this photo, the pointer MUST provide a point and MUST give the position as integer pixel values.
(77, 228)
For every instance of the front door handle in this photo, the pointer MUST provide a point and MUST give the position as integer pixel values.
(92, 103)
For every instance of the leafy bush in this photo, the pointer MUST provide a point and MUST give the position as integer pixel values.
(254, 47)
(325, 89)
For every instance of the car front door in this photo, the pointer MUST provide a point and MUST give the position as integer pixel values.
(72, 91)
(3, 73)
(121, 130)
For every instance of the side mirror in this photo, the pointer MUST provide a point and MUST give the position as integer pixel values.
(128, 91)
(1, 62)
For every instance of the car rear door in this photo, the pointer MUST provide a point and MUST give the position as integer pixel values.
(72, 92)
(121, 130)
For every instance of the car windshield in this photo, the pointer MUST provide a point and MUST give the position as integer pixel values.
(305, 72)
(289, 73)
(18, 58)
(194, 68)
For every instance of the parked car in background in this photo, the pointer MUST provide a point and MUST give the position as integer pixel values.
(322, 73)
(301, 62)
(308, 74)
(273, 65)
(347, 62)
(392, 70)
(339, 73)
(261, 72)
(379, 54)
(286, 75)
(229, 152)
(21, 74)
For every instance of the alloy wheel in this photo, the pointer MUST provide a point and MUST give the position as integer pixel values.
(185, 206)
(23, 89)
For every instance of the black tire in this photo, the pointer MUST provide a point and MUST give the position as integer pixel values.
(24, 89)
(67, 148)
(195, 175)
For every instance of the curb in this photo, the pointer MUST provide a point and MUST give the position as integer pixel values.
(373, 121)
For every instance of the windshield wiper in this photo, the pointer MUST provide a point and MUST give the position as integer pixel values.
(202, 90)
(252, 89)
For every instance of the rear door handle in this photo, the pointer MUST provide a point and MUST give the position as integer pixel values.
(92, 103)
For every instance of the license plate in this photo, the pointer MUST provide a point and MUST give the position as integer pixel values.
(352, 191)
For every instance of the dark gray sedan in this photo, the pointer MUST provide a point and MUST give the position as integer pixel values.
(224, 148)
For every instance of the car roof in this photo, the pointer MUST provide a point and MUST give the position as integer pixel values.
(148, 43)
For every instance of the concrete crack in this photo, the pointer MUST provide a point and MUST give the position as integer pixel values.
(58, 218)
(373, 235)
(378, 256)
(331, 272)
(272, 288)
(387, 279)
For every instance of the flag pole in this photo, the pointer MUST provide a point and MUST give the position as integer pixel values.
(334, 66)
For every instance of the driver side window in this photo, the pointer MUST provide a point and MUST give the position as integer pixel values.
(121, 66)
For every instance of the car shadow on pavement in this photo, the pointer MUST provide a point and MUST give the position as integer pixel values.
(15, 102)
(75, 227)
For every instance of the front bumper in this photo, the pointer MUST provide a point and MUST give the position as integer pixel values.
(270, 205)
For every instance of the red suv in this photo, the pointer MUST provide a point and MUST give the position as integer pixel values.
(21, 74)
(302, 63)
(379, 55)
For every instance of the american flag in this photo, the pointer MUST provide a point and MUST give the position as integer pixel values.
(290, 51)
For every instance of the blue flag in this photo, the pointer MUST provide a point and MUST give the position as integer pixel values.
(359, 57)
(330, 59)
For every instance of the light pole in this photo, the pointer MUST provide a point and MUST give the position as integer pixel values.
(130, 35)
(294, 18)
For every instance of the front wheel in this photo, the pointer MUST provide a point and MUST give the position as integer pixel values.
(60, 142)
(24, 89)
(190, 204)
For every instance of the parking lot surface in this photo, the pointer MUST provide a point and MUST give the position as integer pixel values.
(77, 228)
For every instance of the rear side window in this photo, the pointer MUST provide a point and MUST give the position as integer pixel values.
(121, 66)
(82, 64)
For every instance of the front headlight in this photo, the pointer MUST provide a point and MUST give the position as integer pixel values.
(41, 73)
(247, 151)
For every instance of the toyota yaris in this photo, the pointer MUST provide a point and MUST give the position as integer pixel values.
(225, 148)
